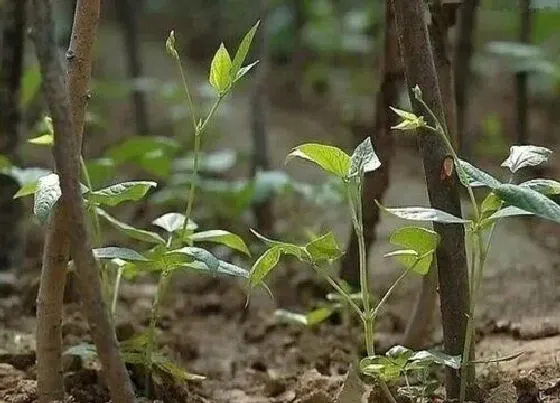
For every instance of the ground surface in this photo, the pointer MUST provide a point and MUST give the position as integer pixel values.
(248, 357)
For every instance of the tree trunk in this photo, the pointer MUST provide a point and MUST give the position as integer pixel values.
(377, 182)
(521, 102)
(67, 227)
(11, 71)
(443, 195)
(128, 12)
(259, 100)
(462, 63)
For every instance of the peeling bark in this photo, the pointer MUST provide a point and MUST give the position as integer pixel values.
(443, 195)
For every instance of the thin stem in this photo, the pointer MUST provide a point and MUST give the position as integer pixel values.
(389, 292)
(116, 291)
(334, 284)
(96, 225)
(190, 104)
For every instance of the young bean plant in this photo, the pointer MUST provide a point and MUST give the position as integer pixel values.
(170, 249)
(529, 198)
(417, 246)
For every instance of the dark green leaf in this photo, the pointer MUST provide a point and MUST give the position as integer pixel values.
(324, 248)
(111, 252)
(227, 238)
(202, 255)
(475, 174)
(530, 201)
(547, 187)
(121, 192)
(509, 211)
(286, 247)
(130, 231)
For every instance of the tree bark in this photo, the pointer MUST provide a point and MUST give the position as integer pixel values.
(67, 225)
(521, 78)
(263, 210)
(443, 195)
(128, 12)
(377, 182)
(11, 72)
(462, 72)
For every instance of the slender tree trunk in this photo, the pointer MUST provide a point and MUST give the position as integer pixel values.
(377, 182)
(462, 72)
(128, 12)
(11, 71)
(521, 78)
(259, 100)
(443, 195)
(418, 329)
(67, 225)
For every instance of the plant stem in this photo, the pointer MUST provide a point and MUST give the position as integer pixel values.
(190, 104)
(334, 284)
(116, 291)
(96, 225)
(389, 292)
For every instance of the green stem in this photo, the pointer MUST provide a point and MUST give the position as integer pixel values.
(389, 292)
(334, 284)
(116, 291)
(190, 104)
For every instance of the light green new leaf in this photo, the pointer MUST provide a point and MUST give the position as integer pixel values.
(264, 264)
(490, 204)
(47, 194)
(422, 241)
(27, 189)
(130, 231)
(530, 201)
(121, 192)
(547, 187)
(202, 255)
(475, 175)
(409, 120)
(170, 45)
(287, 248)
(364, 159)
(425, 214)
(331, 159)
(324, 248)
(220, 70)
(226, 238)
(173, 222)
(523, 156)
(112, 252)
(44, 140)
(242, 51)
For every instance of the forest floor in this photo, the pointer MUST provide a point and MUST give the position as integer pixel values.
(248, 357)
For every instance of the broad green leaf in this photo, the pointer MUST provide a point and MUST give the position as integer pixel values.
(44, 140)
(286, 247)
(364, 159)
(324, 248)
(389, 366)
(509, 211)
(224, 268)
(331, 159)
(490, 204)
(264, 264)
(421, 358)
(242, 51)
(420, 240)
(220, 70)
(47, 194)
(226, 238)
(425, 214)
(529, 200)
(30, 84)
(202, 255)
(475, 174)
(173, 222)
(130, 231)
(112, 252)
(523, 156)
(121, 192)
(170, 45)
(164, 364)
(100, 170)
(547, 187)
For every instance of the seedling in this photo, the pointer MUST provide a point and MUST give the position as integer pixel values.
(502, 201)
(416, 253)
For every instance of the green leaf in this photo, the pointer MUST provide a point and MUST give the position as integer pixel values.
(312, 318)
(5, 163)
(475, 175)
(130, 231)
(170, 45)
(47, 194)
(27, 189)
(547, 187)
(44, 140)
(202, 255)
(264, 264)
(112, 252)
(425, 214)
(435, 357)
(100, 170)
(331, 159)
(244, 70)
(226, 238)
(242, 51)
(30, 84)
(509, 211)
(324, 248)
(364, 159)
(121, 192)
(422, 241)
(389, 366)
(286, 247)
(490, 204)
(220, 71)
(173, 222)
(523, 156)
(409, 120)
(529, 200)
(178, 373)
